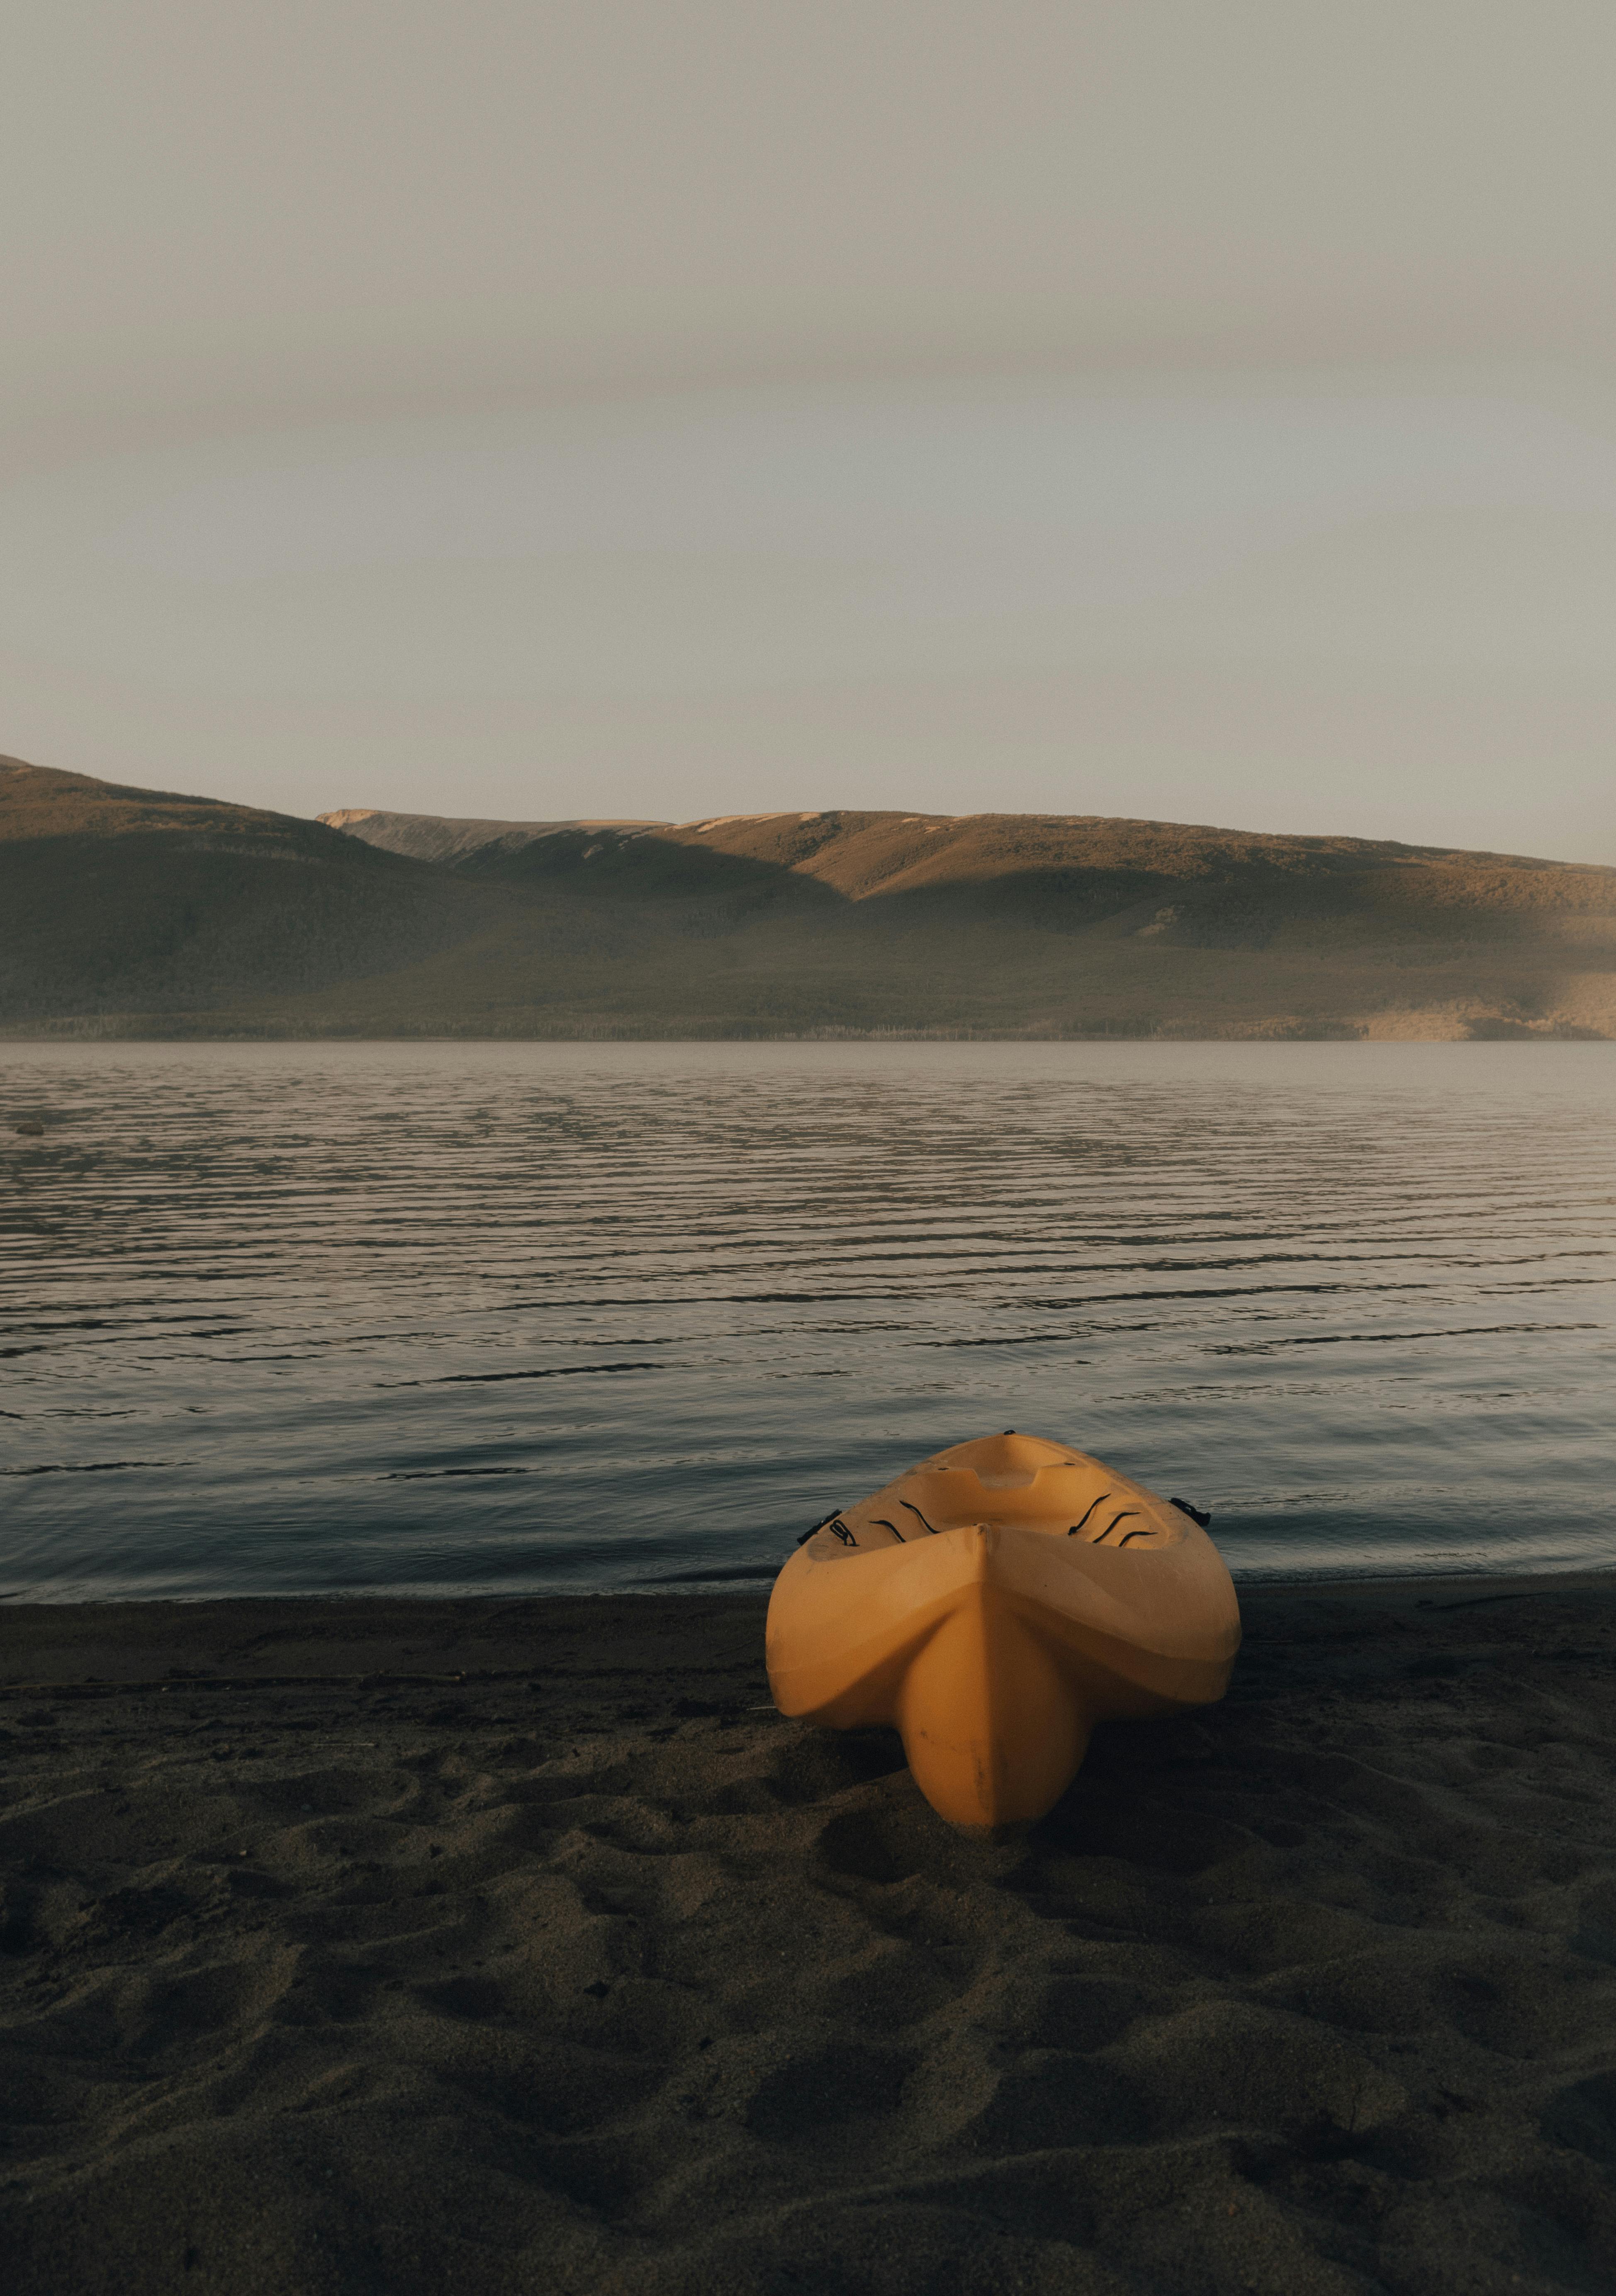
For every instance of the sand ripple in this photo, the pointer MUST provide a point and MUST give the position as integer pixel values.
(324, 1973)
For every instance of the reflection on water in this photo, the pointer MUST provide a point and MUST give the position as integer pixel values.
(502, 1317)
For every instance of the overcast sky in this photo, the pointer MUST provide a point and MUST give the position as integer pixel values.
(1200, 411)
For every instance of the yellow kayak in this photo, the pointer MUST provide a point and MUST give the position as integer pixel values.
(993, 1604)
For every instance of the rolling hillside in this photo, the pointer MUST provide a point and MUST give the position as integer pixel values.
(134, 912)
(118, 901)
(1012, 924)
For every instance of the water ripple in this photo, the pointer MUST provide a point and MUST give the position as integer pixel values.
(511, 1316)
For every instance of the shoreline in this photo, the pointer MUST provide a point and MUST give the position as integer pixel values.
(1486, 1029)
(489, 1943)
(133, 1635)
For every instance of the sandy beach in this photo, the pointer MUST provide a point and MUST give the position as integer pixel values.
(520, 1946)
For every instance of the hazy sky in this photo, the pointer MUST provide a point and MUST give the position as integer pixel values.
(1203, 411)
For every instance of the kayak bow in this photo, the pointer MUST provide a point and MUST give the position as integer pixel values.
(993, 1604)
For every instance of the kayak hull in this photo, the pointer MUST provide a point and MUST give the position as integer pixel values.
(994, 1645)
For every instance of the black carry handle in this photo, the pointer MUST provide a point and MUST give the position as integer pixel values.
(1193, 1514)
(832, 1521)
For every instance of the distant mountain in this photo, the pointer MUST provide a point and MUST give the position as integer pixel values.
(428, 837)
(134, 911)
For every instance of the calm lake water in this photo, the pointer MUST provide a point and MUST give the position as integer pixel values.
(499, 1318)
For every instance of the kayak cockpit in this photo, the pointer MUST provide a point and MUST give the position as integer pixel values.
(1005, 1482)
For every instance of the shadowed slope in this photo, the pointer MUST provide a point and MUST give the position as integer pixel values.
(427, 837)
(116, 899)
(144, 911)
(1049, 924)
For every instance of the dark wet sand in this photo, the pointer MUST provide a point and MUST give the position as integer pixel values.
(508, 1947)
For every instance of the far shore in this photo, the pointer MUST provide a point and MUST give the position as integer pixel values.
(1488, 1032)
